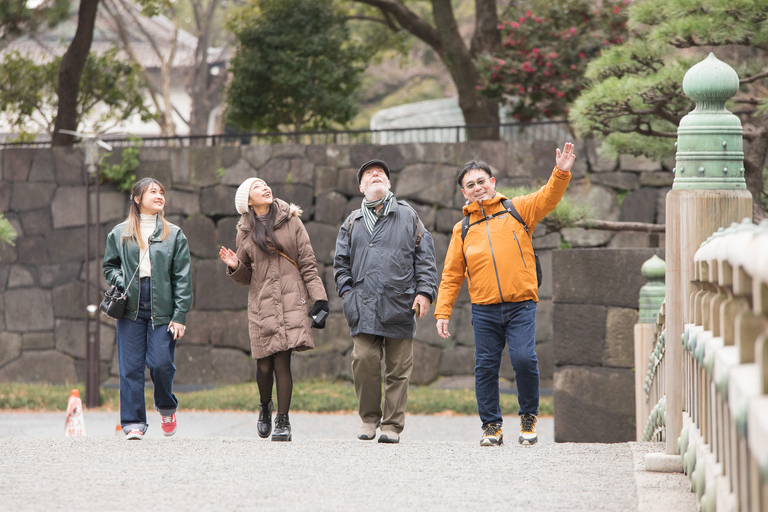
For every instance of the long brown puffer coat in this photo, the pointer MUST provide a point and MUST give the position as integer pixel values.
(280, 294)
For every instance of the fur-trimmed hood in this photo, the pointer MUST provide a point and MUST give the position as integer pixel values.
(284, 212)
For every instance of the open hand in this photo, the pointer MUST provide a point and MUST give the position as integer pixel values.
(229, 257)
(565, 159)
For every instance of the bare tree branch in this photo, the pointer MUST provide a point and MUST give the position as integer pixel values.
(753, 78)
(607, 225)
(409, 20)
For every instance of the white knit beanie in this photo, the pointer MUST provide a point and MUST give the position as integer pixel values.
(241, 196)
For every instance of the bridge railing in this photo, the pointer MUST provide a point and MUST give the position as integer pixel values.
(650, 338)
(724, 440)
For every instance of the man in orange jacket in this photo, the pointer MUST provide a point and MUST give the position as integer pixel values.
(496, 255)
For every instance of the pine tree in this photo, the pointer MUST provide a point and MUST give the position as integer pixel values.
(635, 98)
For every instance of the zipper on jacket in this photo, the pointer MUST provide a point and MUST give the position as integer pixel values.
(151, 299)
(469, 277)
(521, 250)
(490, 243)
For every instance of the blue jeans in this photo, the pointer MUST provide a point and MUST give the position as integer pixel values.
(496, 325)
(139, 344)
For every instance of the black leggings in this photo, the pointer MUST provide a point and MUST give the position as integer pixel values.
(280, 365)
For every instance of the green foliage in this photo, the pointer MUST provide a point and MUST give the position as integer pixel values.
(621, 195)
(220, 172)
(565, 215)
(17, 18)
(121, 174)
(635, 100)
(296, 66)
(114, 83)
(7, 233)
(565, 244)
(28, 92)
(309, 396)
(545, 50)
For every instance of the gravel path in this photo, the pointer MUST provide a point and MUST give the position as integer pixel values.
(216, 463)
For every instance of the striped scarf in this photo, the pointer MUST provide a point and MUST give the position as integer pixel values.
(370, 217)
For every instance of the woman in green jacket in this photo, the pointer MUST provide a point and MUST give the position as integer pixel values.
(149, 256)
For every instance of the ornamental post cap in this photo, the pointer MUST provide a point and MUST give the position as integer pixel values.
(654, 269)
(711, 80)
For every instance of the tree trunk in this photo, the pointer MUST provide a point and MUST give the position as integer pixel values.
(458, 59)
(204, 89)
(461, 65)
(72, 64)
(755, 151)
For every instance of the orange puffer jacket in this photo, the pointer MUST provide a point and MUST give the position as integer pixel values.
(499, 264)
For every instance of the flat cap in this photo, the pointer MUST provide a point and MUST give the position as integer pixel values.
(371, 163)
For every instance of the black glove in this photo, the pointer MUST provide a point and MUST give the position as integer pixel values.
(319, 314)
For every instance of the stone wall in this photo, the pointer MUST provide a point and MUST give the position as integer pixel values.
(42, 193)
(596, 297)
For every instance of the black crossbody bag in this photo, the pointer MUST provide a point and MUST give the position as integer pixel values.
(113, 304)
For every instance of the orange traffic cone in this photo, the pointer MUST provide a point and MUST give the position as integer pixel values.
(75, 424)
(118, 427)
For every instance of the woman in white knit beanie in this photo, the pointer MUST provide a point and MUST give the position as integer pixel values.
(286, 297)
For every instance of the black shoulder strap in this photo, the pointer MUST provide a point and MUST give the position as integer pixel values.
(350, 223)
(420, 227)
(352, 219)
(513, 212)
(509, 207)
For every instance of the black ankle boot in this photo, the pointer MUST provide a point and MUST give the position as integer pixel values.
(264, 425)
(282, 428)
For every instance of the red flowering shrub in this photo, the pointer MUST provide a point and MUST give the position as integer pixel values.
(545, 51)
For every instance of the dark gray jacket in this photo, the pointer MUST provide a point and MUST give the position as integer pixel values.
(386, 271)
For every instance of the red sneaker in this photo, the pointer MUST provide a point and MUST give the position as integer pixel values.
(135, 435)
(169, 424)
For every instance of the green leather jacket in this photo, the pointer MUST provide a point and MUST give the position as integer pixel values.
(171, 272)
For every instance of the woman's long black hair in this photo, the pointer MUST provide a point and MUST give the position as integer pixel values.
(260, 232)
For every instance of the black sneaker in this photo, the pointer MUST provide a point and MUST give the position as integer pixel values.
(264, 425)
(492, 435)
(528, 429)
(282, 428)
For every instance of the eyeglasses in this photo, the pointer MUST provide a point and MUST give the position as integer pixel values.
(480, 182)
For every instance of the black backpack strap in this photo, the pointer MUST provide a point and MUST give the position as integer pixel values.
(509, 205)
(420, 226)
(465, 225)
(350, 223)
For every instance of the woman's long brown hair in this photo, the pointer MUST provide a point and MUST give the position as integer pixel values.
(133, 222)
(261, 233)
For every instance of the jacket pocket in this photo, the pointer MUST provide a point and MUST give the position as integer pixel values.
(350, 306)
(394, 304)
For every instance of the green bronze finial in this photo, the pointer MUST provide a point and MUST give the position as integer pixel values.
(652, 293)
(710, 151)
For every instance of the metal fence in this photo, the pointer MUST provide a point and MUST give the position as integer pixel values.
(531, 131)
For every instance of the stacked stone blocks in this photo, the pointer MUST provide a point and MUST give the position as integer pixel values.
(42, 193)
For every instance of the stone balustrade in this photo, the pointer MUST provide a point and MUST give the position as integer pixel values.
(724, 441)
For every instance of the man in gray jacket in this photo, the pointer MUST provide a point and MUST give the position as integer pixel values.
(386, 275)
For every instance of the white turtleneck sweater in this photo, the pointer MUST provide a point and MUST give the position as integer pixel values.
(148, 223)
